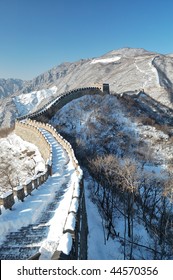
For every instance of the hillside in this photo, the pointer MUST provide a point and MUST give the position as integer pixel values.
(126, 70)
(10, 86)
(127, 158)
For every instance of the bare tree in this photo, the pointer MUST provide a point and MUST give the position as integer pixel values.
(8, 174)
(117, 178)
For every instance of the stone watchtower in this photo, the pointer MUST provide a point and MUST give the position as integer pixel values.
(103, 87)
(106, 89)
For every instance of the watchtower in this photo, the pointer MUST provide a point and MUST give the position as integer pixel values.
(103, 87)
(106, 89)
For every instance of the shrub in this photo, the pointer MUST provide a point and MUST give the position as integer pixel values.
(146, 120)
(4, 132)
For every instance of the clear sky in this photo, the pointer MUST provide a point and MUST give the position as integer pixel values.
(36, 35)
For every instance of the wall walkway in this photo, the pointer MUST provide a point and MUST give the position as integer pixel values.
(34, 128)
(26, 242)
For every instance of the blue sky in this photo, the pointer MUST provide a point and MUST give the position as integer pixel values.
(36, 35)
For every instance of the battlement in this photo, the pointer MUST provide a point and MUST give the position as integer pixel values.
(49, 109)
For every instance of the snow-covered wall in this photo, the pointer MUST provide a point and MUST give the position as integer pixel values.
(73, 243)
(63, 142)
(76, 219)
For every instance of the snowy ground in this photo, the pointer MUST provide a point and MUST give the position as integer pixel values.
(29, 212)
(19, 160)
(106, 60)
(99, 248)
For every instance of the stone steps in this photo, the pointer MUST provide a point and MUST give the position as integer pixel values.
(25, 242)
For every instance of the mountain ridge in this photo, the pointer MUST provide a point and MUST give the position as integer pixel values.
(126, 70)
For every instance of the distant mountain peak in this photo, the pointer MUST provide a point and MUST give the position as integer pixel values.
(128, 52)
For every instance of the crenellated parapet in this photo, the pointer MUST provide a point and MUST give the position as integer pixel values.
(48, 110)
(62, 141)
(19, 193)
(73, 243)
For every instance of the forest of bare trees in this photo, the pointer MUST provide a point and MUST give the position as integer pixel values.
(119, 186)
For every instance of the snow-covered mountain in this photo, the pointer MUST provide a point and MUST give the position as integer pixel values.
(25, 103)
(10, 86)
(126, 70)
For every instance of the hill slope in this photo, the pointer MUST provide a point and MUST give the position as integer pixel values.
(10, 86)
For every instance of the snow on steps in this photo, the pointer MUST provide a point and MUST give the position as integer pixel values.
(65, 245)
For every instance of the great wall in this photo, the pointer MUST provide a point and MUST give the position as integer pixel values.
(33, 128)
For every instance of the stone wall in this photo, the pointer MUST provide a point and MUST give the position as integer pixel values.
(21, 192)
(46, 113)
(32, 134)
(48, 110)
(75, 229)
(63, 142)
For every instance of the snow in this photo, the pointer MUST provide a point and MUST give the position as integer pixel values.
(76, 191)
(74, 205)
(149, 75)
(65, 243)
(19, 187)
(106, 60)
(154, 70)
(28, 180)
(98, 245)
(70, 223)
(98, 249)
(26, 102)
(4, 195)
